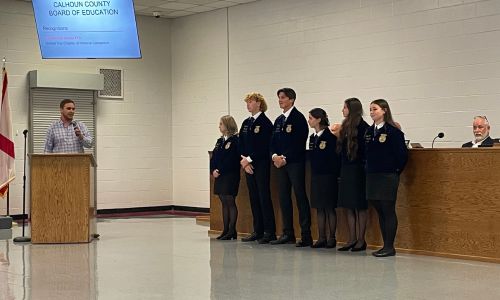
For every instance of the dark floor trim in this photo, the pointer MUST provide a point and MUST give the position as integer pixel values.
(139, 209)
(152, 208)
(18, 217)
(191, 208)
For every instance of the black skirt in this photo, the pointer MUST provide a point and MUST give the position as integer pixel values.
(352, 187)
(227, 184)
(382, 186)
(324, 191)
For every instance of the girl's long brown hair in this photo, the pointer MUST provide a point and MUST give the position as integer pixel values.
(349, 131)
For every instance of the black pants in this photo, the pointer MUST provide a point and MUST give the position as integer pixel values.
(260, 198)
(293, 175)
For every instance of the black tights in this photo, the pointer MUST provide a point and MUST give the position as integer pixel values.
(229, 213)
(361, 216)
(388, 221)
(326, 216)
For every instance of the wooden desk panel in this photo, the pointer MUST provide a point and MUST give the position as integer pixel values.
(448, 205)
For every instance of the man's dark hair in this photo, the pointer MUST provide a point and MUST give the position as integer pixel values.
(64, 102)
(290, 93)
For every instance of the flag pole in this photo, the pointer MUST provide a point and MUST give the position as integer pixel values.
(8, 202)
(4, 61)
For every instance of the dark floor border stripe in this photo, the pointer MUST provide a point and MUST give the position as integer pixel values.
(152, 209)
(18, 217)
(140, 209)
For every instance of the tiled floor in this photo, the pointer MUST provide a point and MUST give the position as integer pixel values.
(173, 258)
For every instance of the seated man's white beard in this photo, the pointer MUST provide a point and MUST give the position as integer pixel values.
(478, 138)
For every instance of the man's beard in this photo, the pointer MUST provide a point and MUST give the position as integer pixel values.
(479, 138)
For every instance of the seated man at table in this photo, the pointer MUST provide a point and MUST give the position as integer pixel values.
(481, 130)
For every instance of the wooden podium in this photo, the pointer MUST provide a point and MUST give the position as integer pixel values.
(63, 204)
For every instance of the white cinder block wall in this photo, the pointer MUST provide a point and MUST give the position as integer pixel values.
(199, 98)
(437, 62)
(134, 134)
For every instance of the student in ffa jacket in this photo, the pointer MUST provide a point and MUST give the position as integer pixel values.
(254, 139)
(325, 166)
(481, 131)
(386, 157)
(225, 167)
(352, 183)
(288, 148)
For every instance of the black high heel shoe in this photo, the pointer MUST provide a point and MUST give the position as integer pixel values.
(347, 247)
(332, 243)
(359, 249)
(230, 236)
(222, 234)
(319, 244)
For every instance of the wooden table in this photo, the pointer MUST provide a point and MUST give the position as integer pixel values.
(448, 205)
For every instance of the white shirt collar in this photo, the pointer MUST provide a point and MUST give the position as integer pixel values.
(225, 137)
(286, 114)
(380, 125)
(319, 133)
(256, 115)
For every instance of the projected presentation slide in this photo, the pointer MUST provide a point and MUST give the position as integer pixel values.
(87, 29)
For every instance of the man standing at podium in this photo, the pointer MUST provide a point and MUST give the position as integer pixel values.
(481, 131)
(67, 135)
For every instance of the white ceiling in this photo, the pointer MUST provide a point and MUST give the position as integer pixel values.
(180, 8)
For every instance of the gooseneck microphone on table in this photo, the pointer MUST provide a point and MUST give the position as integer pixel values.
(440, 135)
(24, 239)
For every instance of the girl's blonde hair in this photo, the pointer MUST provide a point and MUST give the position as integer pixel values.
(230, 124)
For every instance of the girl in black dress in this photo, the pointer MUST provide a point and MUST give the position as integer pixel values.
(386, 157)
(325, 164)
(352, 197)
(225, 167)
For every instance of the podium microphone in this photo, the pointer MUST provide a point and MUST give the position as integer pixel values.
(24, 239)
(440, 135)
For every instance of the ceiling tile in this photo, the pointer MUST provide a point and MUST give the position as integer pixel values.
(149, 2)
(221, 4)
(200, 9)
(162, 10)
(244, 1)
(197, 2)
(176, 5)
(140, 7)
(180, 13)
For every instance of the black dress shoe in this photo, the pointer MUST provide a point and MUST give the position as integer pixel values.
(304, 242)
(284, 239)
(222, 234)
(384, 253)
(347, 247)
(359, 249)
(253, 237)
(230, 236)
(267, 238)
(319, 244)
(332, 243)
